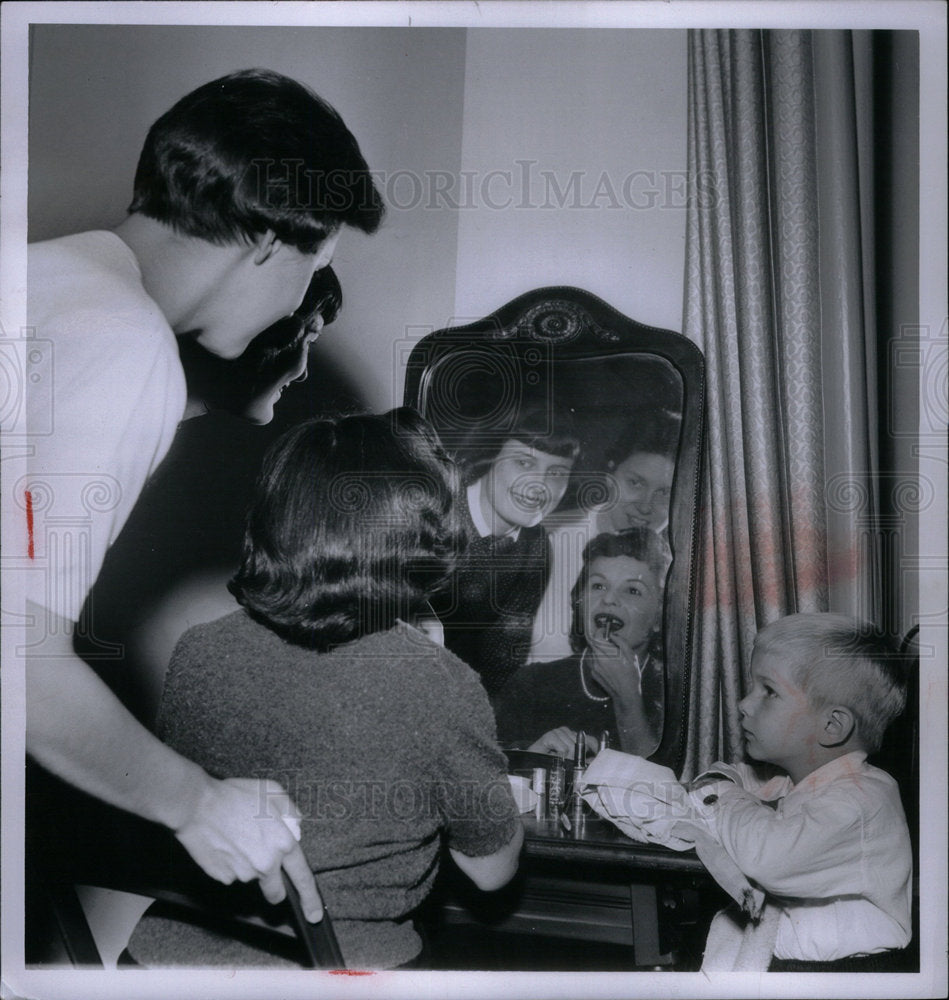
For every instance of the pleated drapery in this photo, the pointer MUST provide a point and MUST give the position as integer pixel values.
(776, 297)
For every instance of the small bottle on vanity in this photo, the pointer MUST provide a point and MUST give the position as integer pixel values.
(579, 770)
(556, 778)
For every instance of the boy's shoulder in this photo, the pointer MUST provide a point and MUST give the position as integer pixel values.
(849, 784)
(851, 770)
(849, 774)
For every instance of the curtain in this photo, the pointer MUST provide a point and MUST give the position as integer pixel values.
(777, 296)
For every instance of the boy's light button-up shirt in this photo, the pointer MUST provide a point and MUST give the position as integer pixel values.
(834, 851)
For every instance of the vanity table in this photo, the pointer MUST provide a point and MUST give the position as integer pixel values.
(594, 885)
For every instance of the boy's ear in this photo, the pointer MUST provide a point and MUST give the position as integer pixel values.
(839, 726)
(265, 246)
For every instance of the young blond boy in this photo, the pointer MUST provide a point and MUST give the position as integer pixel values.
(827, 840)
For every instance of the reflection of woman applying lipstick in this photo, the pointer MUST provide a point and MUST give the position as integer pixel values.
(614, 679)
(635, 493)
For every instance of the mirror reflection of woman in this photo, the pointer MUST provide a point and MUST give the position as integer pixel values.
(636, 493)
(488, 611)
(614, 678)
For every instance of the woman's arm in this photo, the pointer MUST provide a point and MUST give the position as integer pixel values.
(613, 667)
(493, 870)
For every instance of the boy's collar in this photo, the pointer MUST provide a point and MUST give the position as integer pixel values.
(846, 763)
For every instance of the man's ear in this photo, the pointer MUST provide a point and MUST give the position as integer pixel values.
(839, 726)
(265, 246)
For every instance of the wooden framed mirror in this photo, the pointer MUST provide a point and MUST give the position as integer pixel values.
(617, 387)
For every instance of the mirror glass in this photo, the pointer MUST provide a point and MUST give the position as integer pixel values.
(578, 433)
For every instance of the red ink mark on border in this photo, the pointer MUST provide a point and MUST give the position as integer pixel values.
(349, 972)
(29, 523)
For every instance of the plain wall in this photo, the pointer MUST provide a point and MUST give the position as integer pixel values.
(591, 127)
(429, 108)
(95, 90)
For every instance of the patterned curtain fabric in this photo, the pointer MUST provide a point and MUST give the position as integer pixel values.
(753, 302)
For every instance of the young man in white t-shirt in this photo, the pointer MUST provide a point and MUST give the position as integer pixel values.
(241, 191)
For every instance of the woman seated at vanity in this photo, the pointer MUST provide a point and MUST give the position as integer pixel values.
(613, 680)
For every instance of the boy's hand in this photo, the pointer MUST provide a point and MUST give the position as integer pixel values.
(244, 829)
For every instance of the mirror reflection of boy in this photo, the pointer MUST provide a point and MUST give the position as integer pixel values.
(641, 467)
(488, 611)
(827, 839)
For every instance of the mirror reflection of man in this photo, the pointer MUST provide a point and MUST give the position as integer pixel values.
(638, 493)
(232, 214)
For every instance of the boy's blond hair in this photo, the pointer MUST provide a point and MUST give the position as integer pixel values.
(839, 660)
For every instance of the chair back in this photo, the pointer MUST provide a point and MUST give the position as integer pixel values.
(109, 849)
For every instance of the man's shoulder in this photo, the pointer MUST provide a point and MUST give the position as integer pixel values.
(95, 249)
(90, 276)
(85, 295)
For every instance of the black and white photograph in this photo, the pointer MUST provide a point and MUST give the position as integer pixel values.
(474, 488)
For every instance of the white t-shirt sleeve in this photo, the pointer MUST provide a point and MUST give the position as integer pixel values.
(117, 396)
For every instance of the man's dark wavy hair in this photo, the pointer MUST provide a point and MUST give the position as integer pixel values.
(231, 384)
(254, 151)
(353, 526)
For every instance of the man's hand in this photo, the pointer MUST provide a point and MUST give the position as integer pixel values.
(76, 728)
(244, 829)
